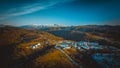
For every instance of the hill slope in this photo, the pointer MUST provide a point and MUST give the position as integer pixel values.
(104, 34)
(15, 47)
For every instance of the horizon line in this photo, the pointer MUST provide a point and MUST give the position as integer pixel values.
(63, 25)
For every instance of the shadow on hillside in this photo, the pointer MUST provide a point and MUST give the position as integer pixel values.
(27, 62)
(24, 62)
(5, 57)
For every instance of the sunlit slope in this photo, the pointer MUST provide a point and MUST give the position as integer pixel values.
(15, 45)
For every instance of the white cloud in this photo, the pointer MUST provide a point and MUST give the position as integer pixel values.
(30, 8)
(23, 10)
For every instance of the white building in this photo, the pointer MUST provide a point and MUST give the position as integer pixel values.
(35, 46)
(65, 46)
(83, 44)
(89, 45)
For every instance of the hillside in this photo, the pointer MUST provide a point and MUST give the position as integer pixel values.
(104, 34)
(75, 35)
(17, 51)
(31, 48)
(13, 35)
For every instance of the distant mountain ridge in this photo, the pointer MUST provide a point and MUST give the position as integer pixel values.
(41, 26)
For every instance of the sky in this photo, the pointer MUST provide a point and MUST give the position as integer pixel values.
(66, 12)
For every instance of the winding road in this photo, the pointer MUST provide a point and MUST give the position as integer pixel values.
(74, 62)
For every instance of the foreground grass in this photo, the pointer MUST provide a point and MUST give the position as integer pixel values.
(53, 59)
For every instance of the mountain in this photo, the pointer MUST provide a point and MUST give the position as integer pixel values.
(100, 33)
(41, 48)
(40, 26)
(109, 34)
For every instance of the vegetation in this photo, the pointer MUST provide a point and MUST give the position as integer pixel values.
(15, 44)
(104, 34)
(54, 59)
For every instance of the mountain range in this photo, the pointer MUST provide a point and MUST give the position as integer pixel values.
(16, 45)
(41, 26)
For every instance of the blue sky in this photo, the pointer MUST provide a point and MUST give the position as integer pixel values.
(66, 12)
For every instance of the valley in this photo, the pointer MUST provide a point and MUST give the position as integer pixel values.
(60, 47)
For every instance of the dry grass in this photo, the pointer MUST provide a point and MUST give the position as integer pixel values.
(93, 36)
(53, 59)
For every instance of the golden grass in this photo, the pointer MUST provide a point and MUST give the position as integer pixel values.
(93, 36)
(53, 59)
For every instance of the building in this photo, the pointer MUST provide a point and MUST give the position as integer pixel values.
(65, 45)
(83, 45)
(35, 46)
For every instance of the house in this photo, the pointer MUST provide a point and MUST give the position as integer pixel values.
(76, 45)
(79, 47)
(65, 45)
(83, 45)
(35, 46)
(88, 45)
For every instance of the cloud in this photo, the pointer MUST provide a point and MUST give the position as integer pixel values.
(23, 10)
(30, 8)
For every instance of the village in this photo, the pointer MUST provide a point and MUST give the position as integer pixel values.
(93, 50)
(82, 45)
